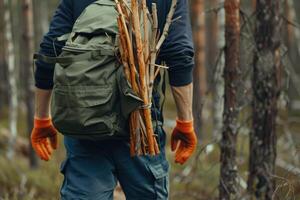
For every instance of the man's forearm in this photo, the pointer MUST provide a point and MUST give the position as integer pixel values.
(183, 97)
(42, 103)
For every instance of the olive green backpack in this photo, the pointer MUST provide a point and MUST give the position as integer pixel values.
(91, 97)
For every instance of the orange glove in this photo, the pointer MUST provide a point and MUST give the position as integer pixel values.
(44, 138)
(185, 134)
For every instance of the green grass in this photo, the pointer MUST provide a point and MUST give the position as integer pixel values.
(18, 181)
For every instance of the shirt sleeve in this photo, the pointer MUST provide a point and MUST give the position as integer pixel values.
(61, 23)
(178, 50)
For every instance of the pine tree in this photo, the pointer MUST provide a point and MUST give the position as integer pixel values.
(12, 82)
(26, 57)
(266, 89)
(200, 85)
(228, 187)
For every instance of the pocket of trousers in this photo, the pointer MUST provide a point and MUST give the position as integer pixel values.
(161, 182)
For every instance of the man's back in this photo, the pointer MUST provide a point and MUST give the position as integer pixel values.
(177, 50)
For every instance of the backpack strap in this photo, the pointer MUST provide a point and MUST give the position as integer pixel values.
(69, 59)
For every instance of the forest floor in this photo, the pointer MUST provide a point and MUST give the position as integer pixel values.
(197, 180)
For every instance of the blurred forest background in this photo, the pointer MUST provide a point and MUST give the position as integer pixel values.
(246, 103)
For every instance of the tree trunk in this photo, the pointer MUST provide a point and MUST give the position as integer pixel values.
(200, 84)
(41, 21)
(254, 4)
(218, 86)
(28, 46)
(228, 188)
(13, 95)
(290, 16)
(296, 7)
(293, 31)
(293, 45)
(266, 87)
(211, 25)
(3, 66)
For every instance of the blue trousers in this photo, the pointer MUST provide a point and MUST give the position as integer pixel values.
(92, 169)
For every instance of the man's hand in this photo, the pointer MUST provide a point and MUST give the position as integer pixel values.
(43, 135)
(184, 135)
(44, 138)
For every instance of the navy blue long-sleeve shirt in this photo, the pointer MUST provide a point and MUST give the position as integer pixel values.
(177, 50)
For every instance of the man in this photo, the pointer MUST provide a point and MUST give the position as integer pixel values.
(92, 168)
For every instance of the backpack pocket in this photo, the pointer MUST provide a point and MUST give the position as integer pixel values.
(85, 111)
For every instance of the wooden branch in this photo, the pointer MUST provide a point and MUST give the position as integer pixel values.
(132, 128)
(124, 52)
(153, 49)
(126, 5)
(146, 40)
(167, 25)
(143, 136)
(126, 14)
(156, 72)
(146, 34)
(126, 43)
(140, 57)
(161, 66)
(124, 31)
(137, 134)
(134, 53)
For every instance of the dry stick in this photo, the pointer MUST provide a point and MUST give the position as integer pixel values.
(135, 137)
(138, 136)
(160, 41)
(129, 48)
(146, 33)
(143, 132)
(144, 144)
(124, 2)
(140, 58)
(161, 66)
(158, 69)
(146, 39)
(153, 49)
(124, 57)
(167, 25)
(144, 92)
(137, 131)
(124, 10)
(140, 144)
(156, 72)
(132, 127)
(123, 52)
(134, 115)
(153, 56)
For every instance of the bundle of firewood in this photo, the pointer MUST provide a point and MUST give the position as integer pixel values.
(140, 42)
